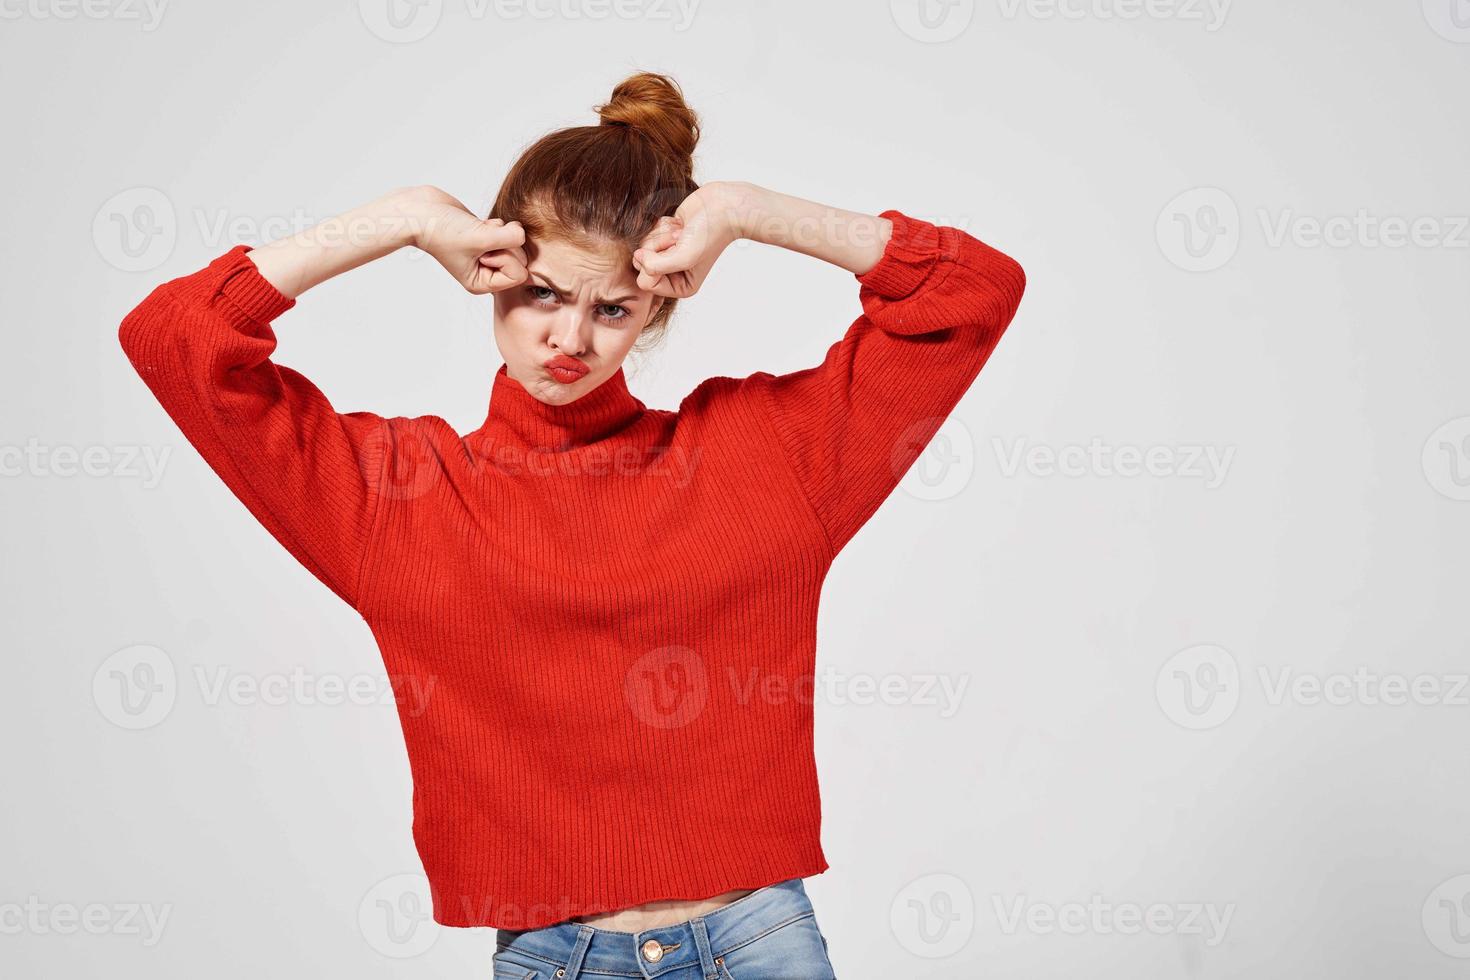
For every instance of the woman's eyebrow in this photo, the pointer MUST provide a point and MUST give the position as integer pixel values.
(562, 292)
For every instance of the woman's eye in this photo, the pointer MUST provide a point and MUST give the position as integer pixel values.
(609, 312)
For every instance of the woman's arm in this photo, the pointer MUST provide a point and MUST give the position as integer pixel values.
(849, 239)
(935, 302)
(425, 217)
(679, 252)
(203, 343)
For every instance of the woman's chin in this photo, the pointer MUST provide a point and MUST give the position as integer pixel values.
(553, 392)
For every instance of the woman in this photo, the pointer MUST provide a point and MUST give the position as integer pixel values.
(607, 612)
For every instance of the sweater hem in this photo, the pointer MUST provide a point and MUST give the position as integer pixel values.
(527, 915)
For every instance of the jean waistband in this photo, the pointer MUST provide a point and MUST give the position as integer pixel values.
(696, 941)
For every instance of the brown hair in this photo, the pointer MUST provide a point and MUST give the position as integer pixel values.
(606, 186)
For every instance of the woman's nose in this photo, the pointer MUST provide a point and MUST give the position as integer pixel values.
(568, 338)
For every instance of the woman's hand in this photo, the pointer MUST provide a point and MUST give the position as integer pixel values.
(483, 255)
(677, 255)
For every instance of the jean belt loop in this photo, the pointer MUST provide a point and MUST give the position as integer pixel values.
(579, 952)
(701, 943)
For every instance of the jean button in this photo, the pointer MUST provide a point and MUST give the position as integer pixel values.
(653, 951)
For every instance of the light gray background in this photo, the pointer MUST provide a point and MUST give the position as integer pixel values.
(1119, 640)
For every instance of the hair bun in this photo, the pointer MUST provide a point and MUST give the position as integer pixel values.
(654, 106)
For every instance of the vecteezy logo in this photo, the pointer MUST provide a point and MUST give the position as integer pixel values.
(396, 916)
(400, 21)
(1199, 230)
(135, 230)
(411, 468)
(932, 21)
(1446, 459)
(933, 916)
(136, 687)
(1446, 917)
(939, 455)
(1199, 687)
(667, 687)
(1450, 19)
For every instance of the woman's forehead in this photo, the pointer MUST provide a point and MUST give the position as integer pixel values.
(575, 268)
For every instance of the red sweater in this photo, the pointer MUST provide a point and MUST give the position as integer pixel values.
(612, 607)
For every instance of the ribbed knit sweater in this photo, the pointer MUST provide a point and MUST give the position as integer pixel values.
(612, 608)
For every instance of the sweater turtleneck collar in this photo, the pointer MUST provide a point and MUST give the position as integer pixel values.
(520, 418)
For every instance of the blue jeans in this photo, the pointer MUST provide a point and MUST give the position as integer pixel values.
(770, 934)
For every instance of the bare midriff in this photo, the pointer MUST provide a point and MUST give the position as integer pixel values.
(651, 915)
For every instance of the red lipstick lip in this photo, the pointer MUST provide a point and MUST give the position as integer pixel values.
(566, 369)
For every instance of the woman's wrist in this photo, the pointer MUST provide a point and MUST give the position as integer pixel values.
(415, 210)
(742, 205)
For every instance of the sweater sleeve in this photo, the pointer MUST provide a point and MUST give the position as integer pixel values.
(934, 307)
(202, 344)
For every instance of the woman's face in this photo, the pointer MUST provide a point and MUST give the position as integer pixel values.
(578, 308)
